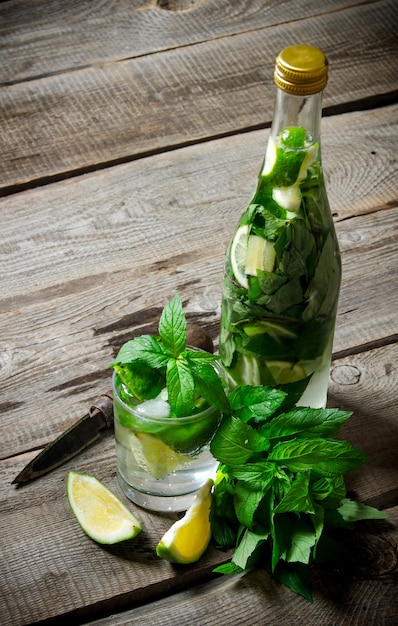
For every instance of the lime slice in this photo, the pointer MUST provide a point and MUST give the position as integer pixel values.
(293, 136)
(155, 456)
(254, 254)
(284, 372)
(270, 158)
(188, 538)
(288, 198)
(272, 328)
(238, 255)
(309, 159)
(102, 516)
(260, 255)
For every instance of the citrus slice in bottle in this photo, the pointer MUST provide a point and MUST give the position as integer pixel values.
(284, 372)
(260, 255)
(238, 255)
(155, 456)
(188, 538)
(268, 326)
(101, 515)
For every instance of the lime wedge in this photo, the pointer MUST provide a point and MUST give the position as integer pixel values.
(155, 456)
(101, 515)
(284, 372)
(238, 255)
(188, 538)
(288, 198)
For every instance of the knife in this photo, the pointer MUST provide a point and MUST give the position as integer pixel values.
(75, 439)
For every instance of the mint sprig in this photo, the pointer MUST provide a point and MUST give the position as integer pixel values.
(280, 484)
(148, 363)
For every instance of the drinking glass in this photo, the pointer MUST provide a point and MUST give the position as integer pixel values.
(162, 461)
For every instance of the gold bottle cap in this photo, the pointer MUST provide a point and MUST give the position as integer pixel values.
(301, 70)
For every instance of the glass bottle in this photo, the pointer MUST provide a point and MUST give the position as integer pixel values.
(283, 270)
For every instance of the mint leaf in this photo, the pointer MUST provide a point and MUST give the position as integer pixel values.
(246, 501)
(258, 474)
(257, 403)
(147, 364)
(228, 568)
(173, 327)
(246, 553)
(197, 358)
(180, 387)
(145, 349)
(305, 423)
(207, 381)
(140, 382)
(302, 540)
(328, 488)
(325, 457)
(297, 499)
(295, 576)
(236, 442)
(352, 511)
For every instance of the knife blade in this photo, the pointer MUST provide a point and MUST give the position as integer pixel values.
(75, 439)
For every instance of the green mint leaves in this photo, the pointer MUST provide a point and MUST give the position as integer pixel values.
(148, 364)
(279, 485)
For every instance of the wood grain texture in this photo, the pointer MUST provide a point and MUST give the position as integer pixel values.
(49, 566)
(102, 256)
(46, 37)
(340, 597)
(54, 577)
(131, 134)
(120, 110)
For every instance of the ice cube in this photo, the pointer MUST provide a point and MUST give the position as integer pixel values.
(154, 408)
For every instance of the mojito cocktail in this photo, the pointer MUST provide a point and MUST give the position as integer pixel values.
(168, 402)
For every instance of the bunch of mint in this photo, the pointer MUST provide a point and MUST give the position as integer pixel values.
(279, 486)
(149, 364)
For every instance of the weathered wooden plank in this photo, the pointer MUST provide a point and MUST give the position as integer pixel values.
(255, 598)
(49, 567)
(102, 256)
(362, 384)
(121, 110)
(68, 573)
(47, 37)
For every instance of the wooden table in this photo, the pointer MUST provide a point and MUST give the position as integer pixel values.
(132, 133)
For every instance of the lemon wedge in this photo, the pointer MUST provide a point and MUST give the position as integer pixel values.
(155, 456)
(102, 516)
(188, 538)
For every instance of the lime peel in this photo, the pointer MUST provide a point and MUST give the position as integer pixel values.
(101, 515)
(188, 538)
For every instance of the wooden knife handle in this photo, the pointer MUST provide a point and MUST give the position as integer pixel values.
(104, 405)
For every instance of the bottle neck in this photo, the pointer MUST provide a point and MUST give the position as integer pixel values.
(299, 111)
